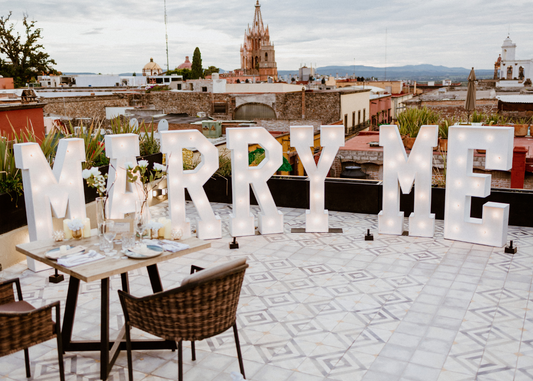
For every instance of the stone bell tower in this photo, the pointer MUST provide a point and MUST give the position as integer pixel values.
(257, 53)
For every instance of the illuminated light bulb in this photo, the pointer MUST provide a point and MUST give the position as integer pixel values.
(400, 157)
(200, 202)
(392, 164)
(392, 135)
(390, 222)
(458, 206)
(422, 225)
(301, 135)
(238, 136)
(458, 183)
(239, 156)
(177, 208)
(209, 227)
(317, 196)
(174, 160)
(459, 161)
(241, 201)
(424, 135)
(490, 138)
(175, 182)
(477, 185)
(456, 228)
(498, 158)
(461, 136)
(392, 195)
(240, 177)
(173, 140)
(422, 196)
(271, 222)
(495, 214)
(241, 225)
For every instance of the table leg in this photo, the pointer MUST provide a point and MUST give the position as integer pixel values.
(125, 282)
(70, 311)
(155, 279)
(104, 330)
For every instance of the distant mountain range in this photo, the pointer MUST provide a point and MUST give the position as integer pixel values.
(423, 72)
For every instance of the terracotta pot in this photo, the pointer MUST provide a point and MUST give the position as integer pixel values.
(520, 129)
(408, 142)
(481, 151)
(443, 145)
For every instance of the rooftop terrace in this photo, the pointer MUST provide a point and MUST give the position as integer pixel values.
(320, 307)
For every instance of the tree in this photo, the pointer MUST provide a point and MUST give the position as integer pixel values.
(134, 74)
(196, 68)
(210, 70)
(186, 73)
(25, 59)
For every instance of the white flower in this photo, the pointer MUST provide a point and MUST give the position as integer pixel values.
(95, 171)
(154, 225)
(75, 224)
(128, 165)
(86, 174)
(143, 163)
(160, 167)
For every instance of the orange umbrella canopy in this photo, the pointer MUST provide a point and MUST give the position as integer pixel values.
(470, 103)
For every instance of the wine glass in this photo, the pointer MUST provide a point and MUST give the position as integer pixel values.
(109, 236)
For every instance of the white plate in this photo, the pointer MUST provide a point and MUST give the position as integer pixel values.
(153, 251)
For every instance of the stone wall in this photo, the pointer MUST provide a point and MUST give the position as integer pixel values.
(456, 109)
(284, 125)
(84, 107)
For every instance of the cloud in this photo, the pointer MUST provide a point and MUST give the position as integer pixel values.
(121, 36)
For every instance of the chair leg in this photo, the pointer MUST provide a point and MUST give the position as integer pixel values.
(238, 345)
(60, 355)
(193, 350)
(27, 362)
(128, 350)
(180, 360)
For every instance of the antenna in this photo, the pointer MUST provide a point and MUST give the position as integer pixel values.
(166, 32)
(385, 54)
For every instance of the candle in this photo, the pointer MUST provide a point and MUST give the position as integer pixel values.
(166, 230)
(66, 229)
(87, 228)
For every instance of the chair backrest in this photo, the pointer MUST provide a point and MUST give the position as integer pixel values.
(203, 307)
(21, 330)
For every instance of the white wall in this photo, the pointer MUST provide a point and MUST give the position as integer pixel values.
(97, 80)
(351, 102)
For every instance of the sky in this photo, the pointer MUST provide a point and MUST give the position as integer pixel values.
(113, 36)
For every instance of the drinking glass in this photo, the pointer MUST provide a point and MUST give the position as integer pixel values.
(128, 241)
(109, 236)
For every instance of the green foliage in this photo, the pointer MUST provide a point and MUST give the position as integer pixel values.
(210, 70)
(477, 117)
(444, 125)
(186, 73)
(25, 59)
(224, 163)
(158, 88)
(94, 144)
(146, 176)
(148, 144)
(411, 119)
(196, 68)
(256, 157)
(10, 177)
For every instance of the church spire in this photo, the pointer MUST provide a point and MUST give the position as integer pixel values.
(258, 27)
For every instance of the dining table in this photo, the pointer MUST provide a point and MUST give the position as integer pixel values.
(101, 270)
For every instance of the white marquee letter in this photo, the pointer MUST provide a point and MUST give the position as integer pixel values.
(242, 221)
(417, 169)
(44, 188)
(331, 138)
(121, 149)
(462, 184)
(172, 144)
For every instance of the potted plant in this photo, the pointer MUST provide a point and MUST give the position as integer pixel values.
(521, 127)
(410, 121)
(443, 133)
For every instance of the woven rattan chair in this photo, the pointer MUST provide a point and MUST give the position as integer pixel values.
(22, 325)
(203, 306)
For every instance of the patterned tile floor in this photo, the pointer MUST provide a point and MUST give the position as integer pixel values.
(331, 307)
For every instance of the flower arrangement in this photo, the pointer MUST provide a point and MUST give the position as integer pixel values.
(95, 179)
(141, 172)
(75, 224)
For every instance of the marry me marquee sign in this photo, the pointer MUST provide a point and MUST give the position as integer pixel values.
(62, 188)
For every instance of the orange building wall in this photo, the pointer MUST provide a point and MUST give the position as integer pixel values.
(6, 83)
(20, 118)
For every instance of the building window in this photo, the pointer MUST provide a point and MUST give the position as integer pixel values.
(364, 115)
(359, 117)
(204, 89)
(353, 119)
(346, 123)
(220, 108)
(179, 86)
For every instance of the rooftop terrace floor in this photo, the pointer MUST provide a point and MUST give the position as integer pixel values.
(319, 307)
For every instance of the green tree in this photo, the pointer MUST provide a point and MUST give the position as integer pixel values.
(210, 70)
(186, 73)
(25, 59)
(134, 74)
(196, 68)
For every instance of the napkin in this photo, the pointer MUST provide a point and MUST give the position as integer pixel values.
(58, 254)
(173, 246)
(79, 259)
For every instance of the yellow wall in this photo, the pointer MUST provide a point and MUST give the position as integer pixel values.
(355, 102)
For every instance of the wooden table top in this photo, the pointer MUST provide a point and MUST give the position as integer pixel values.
(106, 267)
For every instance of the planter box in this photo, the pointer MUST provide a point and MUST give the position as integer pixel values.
(13, 212)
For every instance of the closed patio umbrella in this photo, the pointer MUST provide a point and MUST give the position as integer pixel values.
(470, 103)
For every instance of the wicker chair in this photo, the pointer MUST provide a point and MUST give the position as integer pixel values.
(23, 326)
(203, 306)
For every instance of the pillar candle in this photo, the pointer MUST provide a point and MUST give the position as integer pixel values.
(167, 227)
(87, 228)
(68, 233)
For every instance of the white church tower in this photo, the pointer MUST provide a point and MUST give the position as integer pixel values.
(508, 50)
(511, 68)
